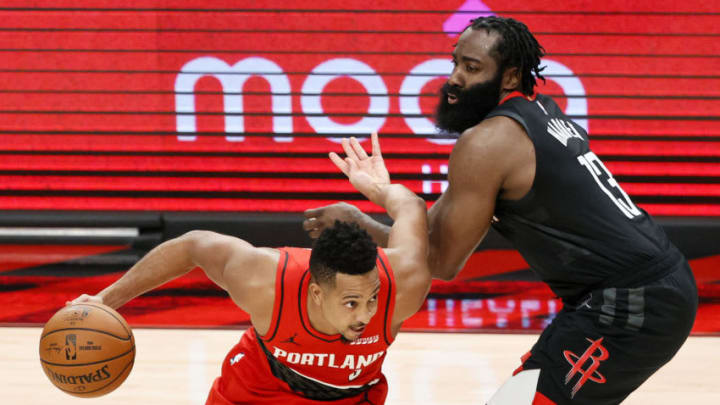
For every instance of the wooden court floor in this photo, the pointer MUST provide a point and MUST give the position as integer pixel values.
(177, 366)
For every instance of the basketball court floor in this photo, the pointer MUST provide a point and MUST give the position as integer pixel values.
(466, 340)
(177, 366)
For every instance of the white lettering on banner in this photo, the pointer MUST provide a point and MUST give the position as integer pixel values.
(596, 168)
(410, 90)
(551, 311)
(450, 316)
(232, 78)
(572, 87)
(526, 307)
(468, 306)
(431, 311)
(493, 313)
(501, 312)
(427, 185)
(327, 71)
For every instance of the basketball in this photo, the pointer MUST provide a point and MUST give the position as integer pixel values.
(87, 349)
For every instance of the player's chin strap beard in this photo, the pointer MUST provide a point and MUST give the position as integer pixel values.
(472, 106)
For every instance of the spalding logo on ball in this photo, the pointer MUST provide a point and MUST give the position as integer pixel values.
(87, 349)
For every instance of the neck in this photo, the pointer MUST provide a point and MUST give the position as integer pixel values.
(317, 320)
(504, 93)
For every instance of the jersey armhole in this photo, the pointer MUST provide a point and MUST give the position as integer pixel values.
(383, 265)
(279, 297)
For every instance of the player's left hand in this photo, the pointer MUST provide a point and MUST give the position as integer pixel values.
(367, 174)
(319, 218)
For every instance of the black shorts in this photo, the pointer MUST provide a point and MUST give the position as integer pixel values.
(609, 344)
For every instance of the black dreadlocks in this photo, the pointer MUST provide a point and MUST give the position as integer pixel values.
(516, 47)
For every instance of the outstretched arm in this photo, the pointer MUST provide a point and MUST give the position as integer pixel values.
(231, 263)
(407, 247)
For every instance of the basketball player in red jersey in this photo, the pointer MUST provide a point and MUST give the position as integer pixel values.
(322, 319)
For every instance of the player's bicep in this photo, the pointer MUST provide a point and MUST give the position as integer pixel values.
(409, 232)
(461, 217)
(215, 253)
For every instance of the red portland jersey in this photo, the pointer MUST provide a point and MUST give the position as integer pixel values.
(325, 359)
(293, 363)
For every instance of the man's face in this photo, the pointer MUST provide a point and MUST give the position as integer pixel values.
(475, 85)
(351, 303)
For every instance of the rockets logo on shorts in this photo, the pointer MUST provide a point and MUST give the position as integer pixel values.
(578, 362)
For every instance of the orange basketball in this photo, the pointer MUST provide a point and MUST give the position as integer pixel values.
(87, 349)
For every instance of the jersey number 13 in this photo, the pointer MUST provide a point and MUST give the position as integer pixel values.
(609, 185)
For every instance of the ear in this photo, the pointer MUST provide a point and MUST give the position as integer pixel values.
(511, 79)
(316, 293)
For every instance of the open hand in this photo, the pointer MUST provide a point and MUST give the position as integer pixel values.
(366, 173)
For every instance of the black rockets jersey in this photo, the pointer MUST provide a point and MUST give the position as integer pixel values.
(576, 227)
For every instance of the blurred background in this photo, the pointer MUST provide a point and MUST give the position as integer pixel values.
(123, 124)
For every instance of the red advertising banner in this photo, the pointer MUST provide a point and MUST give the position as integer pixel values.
(233, 105)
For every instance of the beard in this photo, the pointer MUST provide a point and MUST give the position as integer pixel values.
(472, 105)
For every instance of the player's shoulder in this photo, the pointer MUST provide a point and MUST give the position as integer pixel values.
(251, 283)
(257, 263)
(490, 147)
(491, 135)
(251, 271)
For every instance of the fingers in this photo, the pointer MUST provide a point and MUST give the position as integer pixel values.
(309, 224)
(313, 227)
(340, 163)
(352, 164)
(84, 298)
(313, 212)
(375, 145)
(349, 150)
(77, 300)
(353, 151)
(357, 148)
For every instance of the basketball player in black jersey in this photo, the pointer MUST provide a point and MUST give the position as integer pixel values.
(523, 167)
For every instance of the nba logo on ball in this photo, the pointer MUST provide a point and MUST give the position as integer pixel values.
(87, 349)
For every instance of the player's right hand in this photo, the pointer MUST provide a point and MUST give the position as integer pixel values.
(317, 219)
(85, 298)
(367, 174)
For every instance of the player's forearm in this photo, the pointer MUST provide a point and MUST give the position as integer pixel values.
(165, 262)
(399, 200)
(442, 269)
(377, 230)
